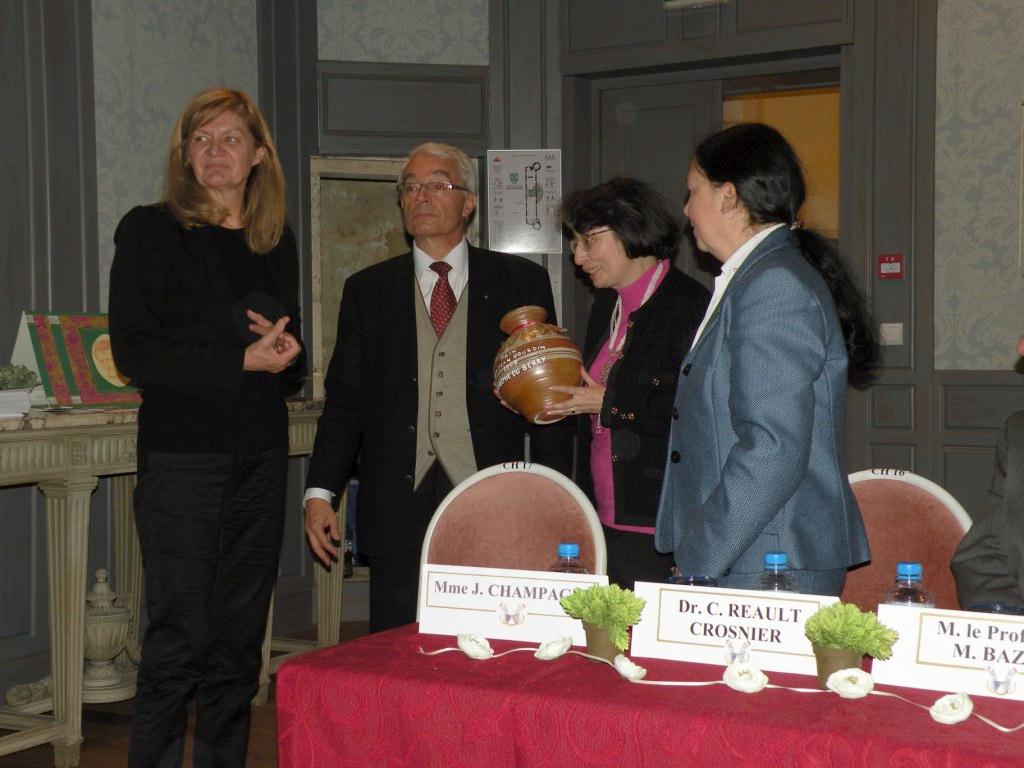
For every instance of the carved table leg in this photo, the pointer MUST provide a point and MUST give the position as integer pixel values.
(67, 541)
(327, 585)
(263, 694)
(127, 564)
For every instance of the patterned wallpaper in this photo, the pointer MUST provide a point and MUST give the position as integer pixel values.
(979, 282)
(404, 31)
(150, 57)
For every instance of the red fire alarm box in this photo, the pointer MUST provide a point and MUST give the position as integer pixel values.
(890, 266)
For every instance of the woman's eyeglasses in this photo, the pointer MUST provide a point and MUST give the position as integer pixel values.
(585, 240)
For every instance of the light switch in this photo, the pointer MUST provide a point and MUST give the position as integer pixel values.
(892, 334)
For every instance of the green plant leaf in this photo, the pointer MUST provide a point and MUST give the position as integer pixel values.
(17, 377)
(844, 625)
(612, 607)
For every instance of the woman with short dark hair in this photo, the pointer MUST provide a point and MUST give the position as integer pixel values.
(756, 459)
(644, 315)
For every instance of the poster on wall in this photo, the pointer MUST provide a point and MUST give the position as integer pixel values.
(71, 354)
(524, 187)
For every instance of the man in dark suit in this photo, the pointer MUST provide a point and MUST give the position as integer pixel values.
(989, 562)
(409, 403)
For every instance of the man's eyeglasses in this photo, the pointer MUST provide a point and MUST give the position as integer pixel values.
(586, 240)
(412, 189)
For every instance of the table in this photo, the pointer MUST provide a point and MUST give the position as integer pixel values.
(377, 702)
(65, 454)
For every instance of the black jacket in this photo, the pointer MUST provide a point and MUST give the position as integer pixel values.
(641, 386)
(370, 411)
(178, 332)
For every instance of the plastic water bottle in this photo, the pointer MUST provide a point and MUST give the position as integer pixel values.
(908, 589)
(776, 576)
(568, 559)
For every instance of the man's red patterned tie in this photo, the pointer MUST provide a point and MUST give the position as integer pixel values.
(442, 300)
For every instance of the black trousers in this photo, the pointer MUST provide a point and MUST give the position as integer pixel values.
(395, 577)
(210, 526)
(632, 557)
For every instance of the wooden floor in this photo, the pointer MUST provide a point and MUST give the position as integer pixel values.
(105, 728)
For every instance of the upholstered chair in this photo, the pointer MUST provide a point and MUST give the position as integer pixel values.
(908, 518)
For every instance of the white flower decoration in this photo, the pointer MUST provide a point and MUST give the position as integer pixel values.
(552, 649)
(628, 669)
(474, 646)
(745, 678)
(852, 683)
(952, 708)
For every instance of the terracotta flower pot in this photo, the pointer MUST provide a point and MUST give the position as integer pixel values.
(599, 642)
(833, 659)
(535, 356)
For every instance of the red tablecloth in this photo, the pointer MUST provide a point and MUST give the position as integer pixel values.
(378, 702)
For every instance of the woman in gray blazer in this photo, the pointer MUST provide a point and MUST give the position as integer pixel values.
(755, 459)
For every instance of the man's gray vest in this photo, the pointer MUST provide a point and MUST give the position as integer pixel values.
(442, 422)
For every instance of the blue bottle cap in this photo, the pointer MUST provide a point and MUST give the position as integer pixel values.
(776, 559)
(566, 549)
(909, 570)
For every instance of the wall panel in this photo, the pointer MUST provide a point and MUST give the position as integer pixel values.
(49, 263)
(389, 108)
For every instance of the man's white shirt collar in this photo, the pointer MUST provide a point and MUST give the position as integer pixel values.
(457, 258)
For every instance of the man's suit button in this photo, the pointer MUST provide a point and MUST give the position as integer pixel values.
(437, 435)
(413, 379)
(409, 478)
(675, 413)
(438, 394)
(412, 428)
(440, 354)
(437, 413)
(674, 456)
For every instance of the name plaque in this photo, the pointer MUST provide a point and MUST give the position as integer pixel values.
(711, 625)
(954, 651)
(500, 604)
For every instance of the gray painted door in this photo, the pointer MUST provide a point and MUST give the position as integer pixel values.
(649, 131)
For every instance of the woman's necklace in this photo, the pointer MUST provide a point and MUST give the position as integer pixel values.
(616, 344)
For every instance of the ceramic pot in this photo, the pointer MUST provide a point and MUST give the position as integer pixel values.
(832, 660)
(14, 402)
(599, 643)
(535, 356)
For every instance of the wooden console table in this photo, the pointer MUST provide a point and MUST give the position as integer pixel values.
(65, 454)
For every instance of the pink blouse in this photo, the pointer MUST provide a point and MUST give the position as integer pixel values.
(601, 438)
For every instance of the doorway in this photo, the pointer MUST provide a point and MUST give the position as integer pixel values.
(648, 127)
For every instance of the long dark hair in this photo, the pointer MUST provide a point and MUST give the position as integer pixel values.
(766, 173)
(640, 216)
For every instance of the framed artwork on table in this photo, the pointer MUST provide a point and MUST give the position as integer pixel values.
(72, 356)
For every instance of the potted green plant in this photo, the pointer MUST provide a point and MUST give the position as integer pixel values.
(841, 634)
(16, 381)
(607, 614)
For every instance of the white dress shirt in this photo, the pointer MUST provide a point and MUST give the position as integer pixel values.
(426, 279)
(729, 269)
